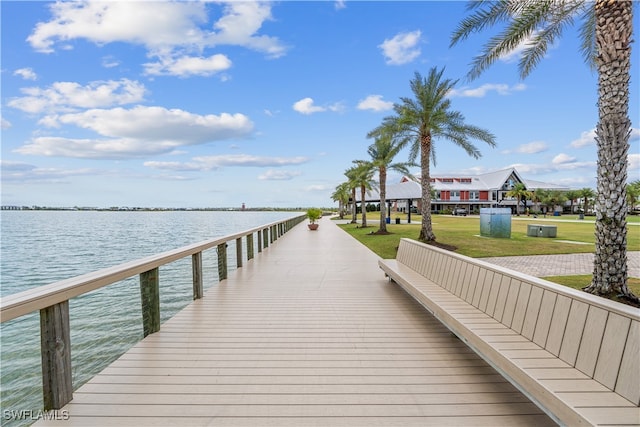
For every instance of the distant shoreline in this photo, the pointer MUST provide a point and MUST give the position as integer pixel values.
(146, 209)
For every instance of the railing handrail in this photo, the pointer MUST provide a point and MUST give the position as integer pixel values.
(25, 302)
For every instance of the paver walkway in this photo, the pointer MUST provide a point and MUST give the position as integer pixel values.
(310, 333)
(559, 265)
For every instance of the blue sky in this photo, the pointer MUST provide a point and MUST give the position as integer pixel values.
(192, 104)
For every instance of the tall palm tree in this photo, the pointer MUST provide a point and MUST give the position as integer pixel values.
(362, 177)
(606, 30)
(382, 152)
(519, 191)
(426, 117)
(341, 195)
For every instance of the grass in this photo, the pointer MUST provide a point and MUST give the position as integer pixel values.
(463, 233)
(580, 281)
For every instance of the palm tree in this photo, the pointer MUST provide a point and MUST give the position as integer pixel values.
(519, 191)
(352, 185)
(362, 176)
(605, 32)
(572, 195)
(382, 152)
(537, 196)
(341, 195)
(419, 121)
(586, 194)
(633, 194)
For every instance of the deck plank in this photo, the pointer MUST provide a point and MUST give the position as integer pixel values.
(308, 333)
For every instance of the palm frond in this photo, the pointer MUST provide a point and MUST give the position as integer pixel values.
(520, 28)
(496, 12)
(588, 46)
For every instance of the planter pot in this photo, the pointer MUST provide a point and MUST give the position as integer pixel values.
(313, 226)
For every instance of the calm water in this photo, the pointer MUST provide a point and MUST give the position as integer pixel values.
(41, 247)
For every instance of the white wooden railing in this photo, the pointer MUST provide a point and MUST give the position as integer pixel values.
(53, 300)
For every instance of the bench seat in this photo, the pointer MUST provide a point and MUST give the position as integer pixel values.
(575, 356)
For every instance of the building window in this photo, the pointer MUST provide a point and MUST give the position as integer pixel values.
(474, 195)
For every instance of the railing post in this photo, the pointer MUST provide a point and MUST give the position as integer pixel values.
(239, 252)
(272, 234)
(196, 267)
(259, 241)
(222, 262)
(250, 246)
(265, 238)
(150, 296)
(55, 341)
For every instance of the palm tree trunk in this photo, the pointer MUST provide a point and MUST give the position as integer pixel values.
(354, 211)
(363, 207)
(613, 41)
(383, 200)
(426, 230)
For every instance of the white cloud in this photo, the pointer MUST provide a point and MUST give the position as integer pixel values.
(171, 31)
(110, 62)
(26, 73)
(22, 172)
(189, 65)
(375, 103)
(587, 138)
(164, 24)
(533, 147)
(136, 132)
(279, 175)
(340, 4)
(176, 166)
(241, 22)
(207, 163)
(537, 169)
(249, 160)
(480, 92)
(4, 123)
(634, 162)
(317, 188)
(401, 49)
(305, 106)
(69, 96)
(563, 159)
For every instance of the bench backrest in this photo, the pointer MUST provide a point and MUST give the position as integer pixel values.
(599, 337)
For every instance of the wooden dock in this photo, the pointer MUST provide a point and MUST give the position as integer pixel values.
(309, 333)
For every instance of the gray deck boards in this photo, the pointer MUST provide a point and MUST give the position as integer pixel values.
(310, 333)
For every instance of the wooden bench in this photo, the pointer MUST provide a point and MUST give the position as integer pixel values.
(577, 356)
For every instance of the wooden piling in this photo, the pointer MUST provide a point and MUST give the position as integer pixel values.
(150, 296)
(55, 337)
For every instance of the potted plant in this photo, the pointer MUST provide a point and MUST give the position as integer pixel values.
(313, 214)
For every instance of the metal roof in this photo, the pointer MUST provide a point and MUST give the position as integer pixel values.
(410, 189)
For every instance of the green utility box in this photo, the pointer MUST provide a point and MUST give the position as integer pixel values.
(536, 230)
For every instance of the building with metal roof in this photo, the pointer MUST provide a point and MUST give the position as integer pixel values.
(469, 192)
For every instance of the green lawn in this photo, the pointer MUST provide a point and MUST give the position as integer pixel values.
(464, 234)
(580, 281)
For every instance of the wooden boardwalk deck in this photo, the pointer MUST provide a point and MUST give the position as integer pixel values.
(309, 333)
